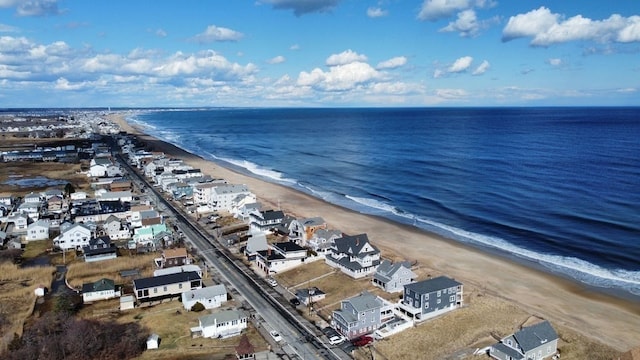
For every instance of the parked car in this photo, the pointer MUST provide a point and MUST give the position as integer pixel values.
(274, 334)
(362, 341)
(294, 302)
(272, 282)
(336, 339)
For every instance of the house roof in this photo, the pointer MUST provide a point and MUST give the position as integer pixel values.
(112, 218)
(99, 251)
(431, 285)
(513, 353)
(314, 221)
(326, 234)
(40, 223)
(353, 244)
(365, 301)
(100, 285)
(288, 246)
(531, 337)
(386, 270)
(272, 215)
(161, 280)
(245, 347)
(176, 269)
(100, 241)
(220, 317)
(174, 253)
(256, 242)
(205, 292)
(308, 292)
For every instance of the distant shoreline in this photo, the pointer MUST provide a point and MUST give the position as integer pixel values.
(532, 287)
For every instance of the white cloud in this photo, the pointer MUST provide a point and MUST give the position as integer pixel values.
(392, 63)
(466, 24)
(439, 9)
(32, 7)
(345, 57)
(161, 33)
(339, 77)
(8, 28)
(437, 73)
(460, 64)
(555, 62)
(277, 60)
(452, 94)
(294, 47)
(301, 7)
(214, 33)
(482, 68)
(64, 84)
(546, 28)
(376, 12)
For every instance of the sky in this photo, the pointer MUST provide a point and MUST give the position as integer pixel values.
(319, 53)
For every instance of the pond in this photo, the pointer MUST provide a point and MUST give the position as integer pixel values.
(38, 181)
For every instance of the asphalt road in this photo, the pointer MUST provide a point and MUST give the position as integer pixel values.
(300, 338)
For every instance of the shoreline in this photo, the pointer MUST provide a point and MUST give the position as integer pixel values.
(591, 311)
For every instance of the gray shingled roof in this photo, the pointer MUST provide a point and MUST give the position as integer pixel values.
(100, 285)
(387, 269)
(365, 301)
(221, 317)
(531, 337)
(353, 244)
(161, 280)
(431, 285)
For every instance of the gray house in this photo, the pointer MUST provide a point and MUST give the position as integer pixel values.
(354, 256)
(392, 277)
(537, 342)
(360, 315)
(166, 286)
(431, 297)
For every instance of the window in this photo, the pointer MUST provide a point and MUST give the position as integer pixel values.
(439, 292)
(452, 298)
(164, 289)
(155, 290)
(426, 297)
(438, 301)
(180, 286)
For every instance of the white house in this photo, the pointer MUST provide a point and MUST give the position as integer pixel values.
(255, 242)
(280, 257)
(223, 196)
(354, 256)
(38, 230)
(210, 297)
(20, 222)
(32, 210)
(74, 237)
(34, 198)
(102, 289)
(222, 324)
(78, 195)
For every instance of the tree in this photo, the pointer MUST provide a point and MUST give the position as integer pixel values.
(69, 189)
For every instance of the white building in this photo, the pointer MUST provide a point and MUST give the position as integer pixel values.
(75, 237)
(38, 230)
(210, 297)
(221, 324)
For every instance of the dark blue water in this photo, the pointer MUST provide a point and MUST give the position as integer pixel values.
(558, 186)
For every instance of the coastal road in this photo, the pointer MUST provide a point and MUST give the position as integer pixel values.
(300, 338)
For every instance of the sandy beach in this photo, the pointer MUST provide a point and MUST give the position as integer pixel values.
(611, 320)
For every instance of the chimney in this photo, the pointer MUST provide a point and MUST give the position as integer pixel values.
(269, 252)
(357, 241)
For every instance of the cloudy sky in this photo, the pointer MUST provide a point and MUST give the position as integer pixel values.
(143, 53)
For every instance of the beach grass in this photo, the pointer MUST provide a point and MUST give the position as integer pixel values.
(17, 296)
(81, 272)
(67, 173)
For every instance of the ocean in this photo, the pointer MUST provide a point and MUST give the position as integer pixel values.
(554, 187)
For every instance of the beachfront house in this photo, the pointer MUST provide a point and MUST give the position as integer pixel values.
(74, 237)
(428, 298)
(301, 230)
(539, 341)
(266, 221)
(361, 315)
(223, 196)
(322, 240)
(102, 289)
(221, 324)
(38, 230)
(256, 242)
(166, 286)
(354, 256)
(391, 277)
(210, 297)
(280, 257)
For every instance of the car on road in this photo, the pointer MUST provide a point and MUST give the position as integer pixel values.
(336, 339)
(294, 302)
(275, 335)
(272, 282)
(362, 341)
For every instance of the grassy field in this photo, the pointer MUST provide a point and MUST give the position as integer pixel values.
(80, 272)
(172, 323)
(51, 170)
(17, 297)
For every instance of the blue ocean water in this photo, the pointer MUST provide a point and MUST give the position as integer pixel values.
(556, 186)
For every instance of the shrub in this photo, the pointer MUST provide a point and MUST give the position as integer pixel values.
(197, 307)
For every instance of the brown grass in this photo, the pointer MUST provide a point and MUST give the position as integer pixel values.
(81, 272)
(459, 333)
(52, 170)
(17, 297)
(34, 249)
